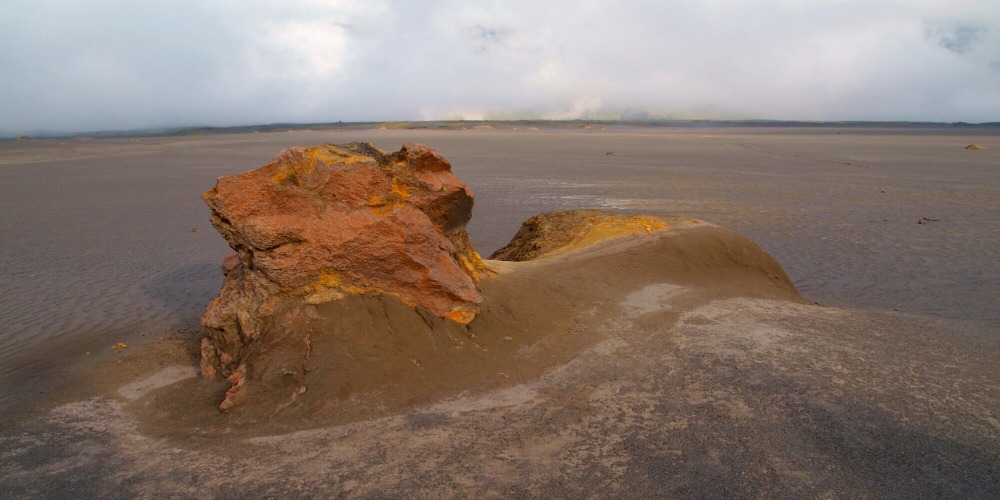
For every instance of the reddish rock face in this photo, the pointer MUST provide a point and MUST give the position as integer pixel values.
(315, 224)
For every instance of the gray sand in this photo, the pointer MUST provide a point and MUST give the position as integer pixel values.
(744, 397)
(738, 397)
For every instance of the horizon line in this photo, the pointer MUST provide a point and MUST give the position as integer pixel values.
(449, 123)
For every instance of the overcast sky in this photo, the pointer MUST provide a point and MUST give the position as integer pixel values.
(68, 66)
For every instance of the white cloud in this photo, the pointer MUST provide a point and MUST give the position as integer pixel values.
(299, 49)
(550, 75)
(581, 107)
(117, 64)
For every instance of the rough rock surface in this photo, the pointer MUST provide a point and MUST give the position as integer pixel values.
(563, 231)
(317, 223)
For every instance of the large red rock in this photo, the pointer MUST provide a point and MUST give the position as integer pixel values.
(317, 223)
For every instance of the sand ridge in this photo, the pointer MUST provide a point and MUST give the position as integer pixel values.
(372, 356)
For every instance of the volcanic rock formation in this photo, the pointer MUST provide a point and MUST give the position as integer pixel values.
(316, 224)
(354, 287)
(568, 230)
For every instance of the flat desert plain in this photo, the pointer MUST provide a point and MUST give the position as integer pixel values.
(881, 380)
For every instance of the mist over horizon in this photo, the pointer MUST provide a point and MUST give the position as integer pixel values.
(114, 65)
(568, 123)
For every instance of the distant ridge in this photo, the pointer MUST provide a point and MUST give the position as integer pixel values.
(511, 124)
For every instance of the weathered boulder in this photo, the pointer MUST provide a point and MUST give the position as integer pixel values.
(316, 224)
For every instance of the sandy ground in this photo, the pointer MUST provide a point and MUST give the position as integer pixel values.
(738, 397)
(679, 389)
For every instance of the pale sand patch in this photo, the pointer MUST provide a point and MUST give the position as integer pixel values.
(652, 298)
(167, 376)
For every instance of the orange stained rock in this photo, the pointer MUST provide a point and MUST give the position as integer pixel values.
(319, 223)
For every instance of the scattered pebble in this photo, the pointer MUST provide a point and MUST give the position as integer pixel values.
(120, 345)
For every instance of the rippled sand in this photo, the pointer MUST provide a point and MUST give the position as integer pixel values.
(107, 241)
